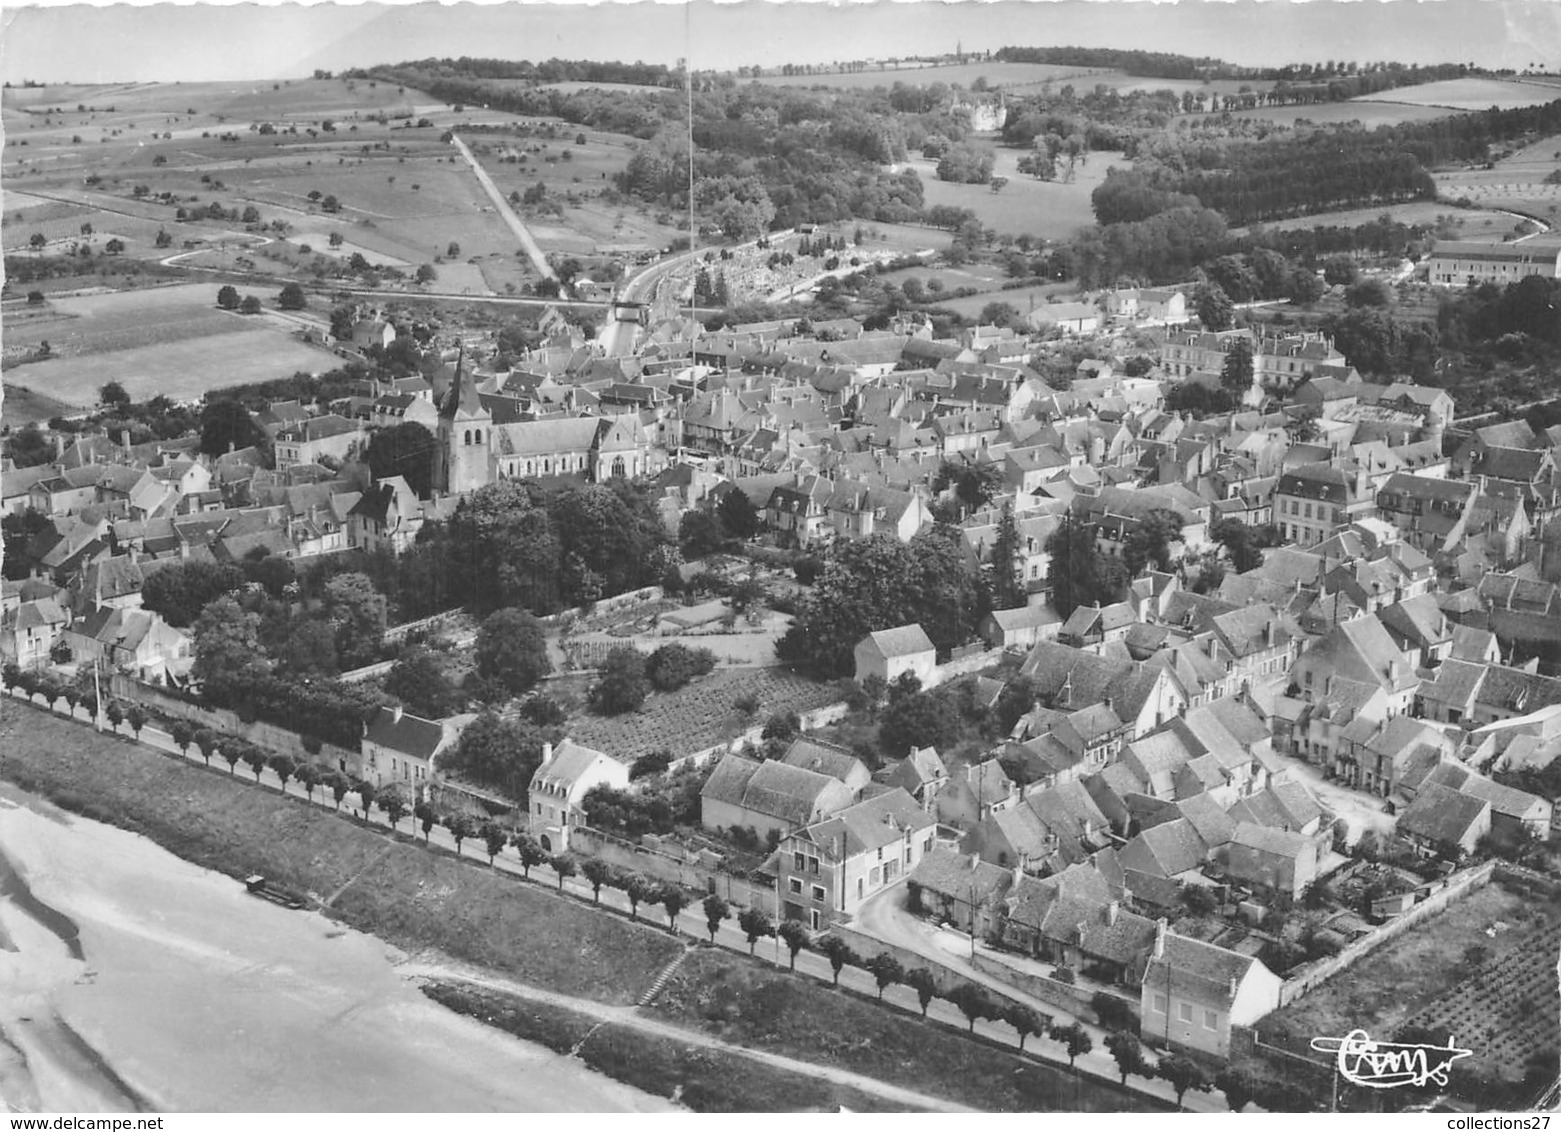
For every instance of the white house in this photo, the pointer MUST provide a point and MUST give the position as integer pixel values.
(559, 785)
(890, 653)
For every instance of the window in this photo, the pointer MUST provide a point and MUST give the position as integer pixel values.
(859, 888)
(797, 860)
(539, 809)
(1211, 1020)
(1186, 1011)
(818, 892)
(813, 865)
(1160, 1004)
(813, 919)
(796, 887)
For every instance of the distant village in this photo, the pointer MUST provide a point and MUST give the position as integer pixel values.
(1334, 687)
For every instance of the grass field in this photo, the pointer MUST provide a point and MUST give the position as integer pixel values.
(1467, 94)
(1051, 210)
(96, 324)
(411, 897)
(1459, 223)
(183, 370)
(710, 1080)
(23, 406)
(751, 1003)
(1418, 968)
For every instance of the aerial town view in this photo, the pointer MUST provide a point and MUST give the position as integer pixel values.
(976, 565)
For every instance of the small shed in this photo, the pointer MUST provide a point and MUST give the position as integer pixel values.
(890, 653)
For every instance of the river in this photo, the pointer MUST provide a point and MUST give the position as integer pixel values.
(133, 980)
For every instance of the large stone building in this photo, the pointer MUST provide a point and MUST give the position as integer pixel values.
(1462, 263)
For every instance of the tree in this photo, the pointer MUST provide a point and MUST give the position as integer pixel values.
(926, 719)
(255, 758)
(340, 787)
(292, 298)
(453, 251)
(1127, 1053)
(716, 910)
(1340, 271)
(1075, 1039)
(284, 767)
(673, 900)
(886, 971)
(700, 533)
(921, 981)
(308, 777)
(563, 866)
(1239, 542)
(1236, 373)
(206, 743)
(597, 872)
(639, 889)
(461, 827)
(1150, 540)
(493, 839)
(426, 273)
(227, 426)
(512, 651)
(115, 246)
(419, 680)
(1025, 1021)
(1078, 573)
(621, 686)
(738, 516)
(408, 450)
(756, 925)
(530, 852)
(973, 1002)
(366, 794)
(113, 394)
(228, 656)
(1183, 1073)
(1238, 1085)
(182, 734)
(795, 937)
(227, 297)
(1215, 310)
(394, 805)
(974, 484)
(1008, 591)
(136, 717)
(330, 204)
(113, 711)
(838, 952)
(358, 612)
(37, 241)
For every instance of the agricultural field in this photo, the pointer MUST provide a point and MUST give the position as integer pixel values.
(1517, 181)
(1051, 210)
(1468, 94)
(1406, 975)
(1506, 1010)
(1010, 76)
(97, 324)
(1368, 114)
(183, 371)
(24, 406)
(702, 714)
(1450, 223)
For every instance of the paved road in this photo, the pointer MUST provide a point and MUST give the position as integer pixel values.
(630, 1017)
(1361, 811)
(522, 233)
(691, 924)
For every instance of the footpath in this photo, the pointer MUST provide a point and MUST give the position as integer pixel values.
(691, 924)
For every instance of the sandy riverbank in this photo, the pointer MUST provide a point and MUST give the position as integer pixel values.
(194, 996)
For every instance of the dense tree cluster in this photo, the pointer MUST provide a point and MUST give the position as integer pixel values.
(882, 583)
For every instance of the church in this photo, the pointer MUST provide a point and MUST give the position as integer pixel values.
(473, 451)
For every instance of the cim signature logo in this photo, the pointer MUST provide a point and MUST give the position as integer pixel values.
(1388, 1065)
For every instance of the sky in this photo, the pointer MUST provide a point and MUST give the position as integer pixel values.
(123, 42)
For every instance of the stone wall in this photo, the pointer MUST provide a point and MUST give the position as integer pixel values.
(1069, 996)
(674, 866)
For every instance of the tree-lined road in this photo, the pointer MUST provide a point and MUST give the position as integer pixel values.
(516, 225)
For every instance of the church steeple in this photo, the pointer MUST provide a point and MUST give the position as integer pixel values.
(461, 399)
(465, 431)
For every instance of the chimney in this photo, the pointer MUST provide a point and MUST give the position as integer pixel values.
(124, 440)
(395, 714)
(1112, 910)
(1233, 986)
(1159, 937)
(547, 753)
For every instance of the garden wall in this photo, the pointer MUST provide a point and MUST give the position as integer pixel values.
(810, 721)
(395, 634)
(944, 978)
(964, 665)
(1455, 887)
(276, 739)
(1069, 996)
(674, 867)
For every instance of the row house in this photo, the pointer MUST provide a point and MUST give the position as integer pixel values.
(1312, 501)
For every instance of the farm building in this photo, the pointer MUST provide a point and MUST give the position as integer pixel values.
(1460, 263)
(890, 653)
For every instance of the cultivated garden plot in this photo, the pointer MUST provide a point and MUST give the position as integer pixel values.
(1507, 1010)
(704, 713)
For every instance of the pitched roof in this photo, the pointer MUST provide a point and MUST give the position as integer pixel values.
(1190, 968)
(825, 758)
(1441, 814)
(961, 877)
(402, 731)
(906, 640)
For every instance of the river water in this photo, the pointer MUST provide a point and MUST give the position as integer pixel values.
(133, 980)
